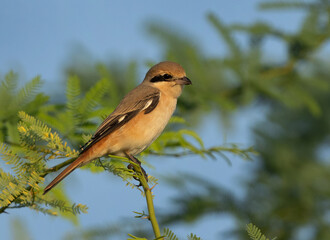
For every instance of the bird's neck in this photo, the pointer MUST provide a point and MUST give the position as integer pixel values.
(172, 91)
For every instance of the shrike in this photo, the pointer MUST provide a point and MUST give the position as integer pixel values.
(138, 119)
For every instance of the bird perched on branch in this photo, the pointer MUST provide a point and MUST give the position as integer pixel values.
(138, 120)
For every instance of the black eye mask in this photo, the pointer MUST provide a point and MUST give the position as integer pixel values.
(161, 78)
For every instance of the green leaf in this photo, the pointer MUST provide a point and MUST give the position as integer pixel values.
(225, 34)
(9, 84)
(192, 134)
(177, 119)
(93, 97)
(170, 235)
(193, 237)
(255, 233)
(28, 91)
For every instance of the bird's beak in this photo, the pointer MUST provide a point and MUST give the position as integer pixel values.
(183, 81)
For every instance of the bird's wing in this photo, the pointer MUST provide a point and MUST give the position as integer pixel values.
(142, 98)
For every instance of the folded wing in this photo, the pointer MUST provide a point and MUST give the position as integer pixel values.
(142, 98)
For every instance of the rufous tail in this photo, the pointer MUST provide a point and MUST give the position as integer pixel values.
(81, 160)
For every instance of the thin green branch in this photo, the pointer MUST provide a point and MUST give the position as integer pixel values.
(149, 200)
(209, 151)
(58, 167)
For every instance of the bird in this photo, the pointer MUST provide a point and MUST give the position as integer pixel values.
(137, 121)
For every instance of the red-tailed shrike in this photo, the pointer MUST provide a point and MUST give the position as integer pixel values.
(138, 119)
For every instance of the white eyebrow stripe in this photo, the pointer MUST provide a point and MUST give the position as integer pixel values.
(147, 104)
(121, 119)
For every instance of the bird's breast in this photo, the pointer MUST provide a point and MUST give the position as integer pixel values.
(143, 129)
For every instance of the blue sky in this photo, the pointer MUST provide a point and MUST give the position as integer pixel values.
(37, 37)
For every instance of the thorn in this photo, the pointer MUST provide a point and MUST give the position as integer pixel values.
(153, 186)
(146, 217)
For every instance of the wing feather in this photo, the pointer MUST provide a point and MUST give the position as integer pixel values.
(134, 102)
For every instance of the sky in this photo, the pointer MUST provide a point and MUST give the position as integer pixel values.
(38, 38)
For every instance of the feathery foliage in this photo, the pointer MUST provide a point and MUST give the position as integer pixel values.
(14, 99)
(243, 76)
(34, 132)
(80, 111)
(255, 233)
(37, 144)
(193, 237)
(292, 163)
(292, 141)
(170, 235)
(20, 188)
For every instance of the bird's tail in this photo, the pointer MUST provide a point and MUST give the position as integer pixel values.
(81, 160)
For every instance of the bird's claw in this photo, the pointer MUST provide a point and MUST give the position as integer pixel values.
(145, 175)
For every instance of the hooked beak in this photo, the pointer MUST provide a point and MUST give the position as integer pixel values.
(183, 81)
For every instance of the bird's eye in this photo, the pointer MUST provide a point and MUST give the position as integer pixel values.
(167, 76)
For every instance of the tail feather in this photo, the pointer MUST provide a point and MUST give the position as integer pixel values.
(77, 163)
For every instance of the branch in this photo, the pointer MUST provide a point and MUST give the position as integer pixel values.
(209, 151)
(149, 199)
(58, 167)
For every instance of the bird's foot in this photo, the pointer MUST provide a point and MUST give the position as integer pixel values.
(130, 167)
(145, 175)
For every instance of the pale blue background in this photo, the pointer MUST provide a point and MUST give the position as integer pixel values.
(37, 37)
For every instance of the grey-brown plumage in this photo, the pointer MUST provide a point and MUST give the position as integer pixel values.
(138, 119)
(125, 111)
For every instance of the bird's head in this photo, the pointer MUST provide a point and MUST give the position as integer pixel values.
(168, 77)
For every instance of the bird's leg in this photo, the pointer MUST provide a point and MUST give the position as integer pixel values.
(130, 167)
(137, 161)
(143, 171)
